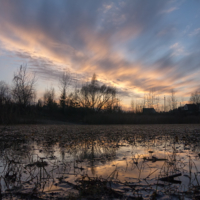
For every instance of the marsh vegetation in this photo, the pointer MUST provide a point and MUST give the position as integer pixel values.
(100, 162)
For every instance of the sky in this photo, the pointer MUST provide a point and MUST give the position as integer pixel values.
(134, 45)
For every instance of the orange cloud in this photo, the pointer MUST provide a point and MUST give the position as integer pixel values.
(88, 43)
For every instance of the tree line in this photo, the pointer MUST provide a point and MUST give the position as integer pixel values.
(152, 100)
(19, 100)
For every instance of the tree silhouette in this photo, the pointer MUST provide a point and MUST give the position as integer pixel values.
(23, 89)
(96, 97)
(64, 83)
(4, 93)
(195, 96)
(49, 97)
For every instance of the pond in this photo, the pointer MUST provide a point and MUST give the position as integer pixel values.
(100, 162)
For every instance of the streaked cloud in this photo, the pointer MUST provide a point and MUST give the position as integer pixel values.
(132, 45)
(195, 32)
(178, 49)
(170, 10)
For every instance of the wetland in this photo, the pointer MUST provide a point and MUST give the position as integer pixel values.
(100, 162)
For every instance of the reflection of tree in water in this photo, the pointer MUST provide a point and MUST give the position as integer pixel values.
(62, 152)
(76, 152)
(93, 151)
(15, 149)
(20, 173)
(19, 168)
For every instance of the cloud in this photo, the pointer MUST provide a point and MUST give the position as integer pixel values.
(169, 10)
(195, 32)
(125, 42)
(178, 49)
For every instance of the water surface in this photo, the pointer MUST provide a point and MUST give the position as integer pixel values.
(105, 162)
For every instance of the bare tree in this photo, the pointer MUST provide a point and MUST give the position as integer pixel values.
(151, 100)
(4, 92)
(132, 106)
(169, 102)
(5, 103)
(173, 99)
(195, 96)
(64, 83)
(139, 106)
(49, 97)
(94, 96)
(39, 103)
(23, 90)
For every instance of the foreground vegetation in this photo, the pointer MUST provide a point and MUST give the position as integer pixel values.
(100, 162)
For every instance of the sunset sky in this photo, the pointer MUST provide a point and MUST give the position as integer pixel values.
(134, 45)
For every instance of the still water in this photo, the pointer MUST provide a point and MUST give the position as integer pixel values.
(100, 162)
